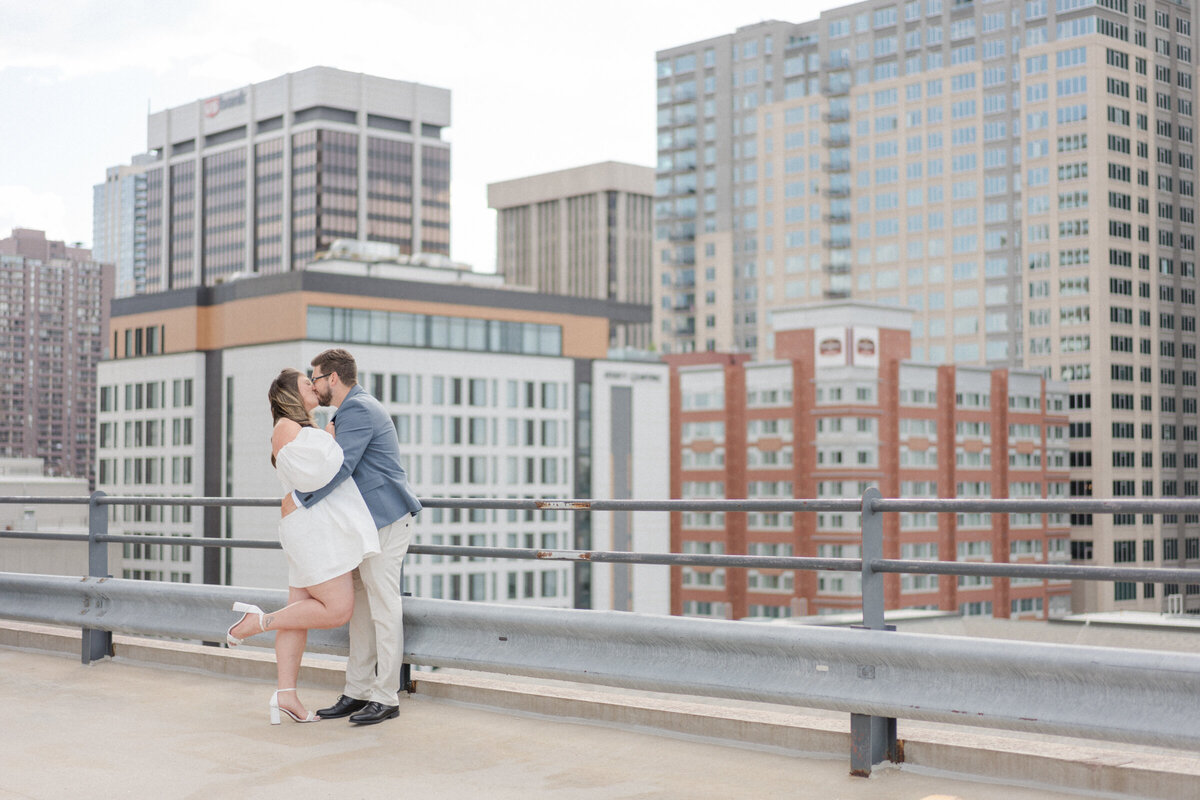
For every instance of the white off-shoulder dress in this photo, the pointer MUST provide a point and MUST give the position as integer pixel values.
(333, 536)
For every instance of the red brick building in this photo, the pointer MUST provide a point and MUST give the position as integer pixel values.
(842, 410)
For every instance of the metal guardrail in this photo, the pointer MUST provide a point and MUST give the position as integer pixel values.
(1130, 696)
(875, 675)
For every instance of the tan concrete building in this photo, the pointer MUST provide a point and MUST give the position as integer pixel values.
(262, 178)
(584, 232)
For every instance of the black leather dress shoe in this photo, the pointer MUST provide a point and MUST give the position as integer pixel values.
(375, 712)
(344, 707)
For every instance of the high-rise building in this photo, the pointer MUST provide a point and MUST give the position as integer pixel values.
(262, 178)
(119, 224)
(493, 392)
(1021, 175)
(584, 232)
(53, 331)
(840, 410)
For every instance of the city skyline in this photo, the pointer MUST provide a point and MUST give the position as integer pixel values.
(83, 62)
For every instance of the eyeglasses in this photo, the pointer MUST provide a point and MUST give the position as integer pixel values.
(316, 378)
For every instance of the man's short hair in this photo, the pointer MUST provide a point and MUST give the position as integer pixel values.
(339, 361)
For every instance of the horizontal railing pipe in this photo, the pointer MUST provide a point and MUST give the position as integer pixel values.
(38, 535)
(526, 504)
(1076, 505)
(191, 541)
(207, 502)
(1000, 569)
(45, 500)
(624, 557)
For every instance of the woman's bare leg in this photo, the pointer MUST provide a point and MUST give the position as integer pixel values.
(326, 605)
(289, 650)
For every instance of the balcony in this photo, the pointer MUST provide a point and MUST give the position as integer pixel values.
(837, 191)
(837, 269)
(836, 89)
(836, 294)
(836, 115)
(837, 243)
(838, 166)
(837, 217)
(841, 140)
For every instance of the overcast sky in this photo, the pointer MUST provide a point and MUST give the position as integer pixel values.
(535, 85)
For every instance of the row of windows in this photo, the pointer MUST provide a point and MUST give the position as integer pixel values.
(145, 433)
(410, 429)
(150, 395)
(140, 341)
(361, 326)
(407, 389)
(482, 586)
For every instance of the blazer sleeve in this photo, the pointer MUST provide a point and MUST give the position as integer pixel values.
(353, 432)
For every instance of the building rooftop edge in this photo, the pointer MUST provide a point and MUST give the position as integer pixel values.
(312, 69)
(620, 176)
(317, 280)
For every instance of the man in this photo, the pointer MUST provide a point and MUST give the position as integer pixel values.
(372, 459)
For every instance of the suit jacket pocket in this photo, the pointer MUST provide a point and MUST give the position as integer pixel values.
(367, 483)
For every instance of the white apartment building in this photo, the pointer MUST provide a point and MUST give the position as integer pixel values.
(490, 392)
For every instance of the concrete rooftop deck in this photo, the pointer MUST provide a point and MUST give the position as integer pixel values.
(177, 720)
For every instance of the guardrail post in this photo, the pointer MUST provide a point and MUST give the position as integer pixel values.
(872, 739)
(96, 644)
(406, 681)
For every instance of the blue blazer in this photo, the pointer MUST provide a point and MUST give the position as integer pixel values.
(365, 433)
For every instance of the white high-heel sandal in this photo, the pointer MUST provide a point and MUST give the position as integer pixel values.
(246, 610)
(275, 709)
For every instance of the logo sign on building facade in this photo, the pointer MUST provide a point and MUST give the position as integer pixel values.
(866, 346)
(831, 347)
(839, 347)
(215, 105)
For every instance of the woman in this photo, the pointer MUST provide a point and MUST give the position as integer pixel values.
(322, 543)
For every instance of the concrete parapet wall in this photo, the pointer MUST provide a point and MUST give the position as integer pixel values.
(1032, 761)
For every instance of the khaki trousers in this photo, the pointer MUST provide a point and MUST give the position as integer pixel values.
(377, 624)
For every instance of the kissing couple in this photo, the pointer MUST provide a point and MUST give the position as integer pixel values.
(345, 527)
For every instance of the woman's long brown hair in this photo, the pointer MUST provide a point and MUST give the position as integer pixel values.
(286, 403)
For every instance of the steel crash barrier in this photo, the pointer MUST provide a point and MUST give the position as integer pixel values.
(874, 674)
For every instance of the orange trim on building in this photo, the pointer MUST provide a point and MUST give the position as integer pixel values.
(283, 318)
